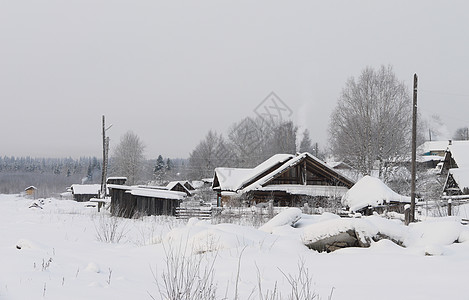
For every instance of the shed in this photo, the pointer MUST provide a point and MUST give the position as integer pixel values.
(30, 190)
(116, 180)
(371, 194)
(84, 192)
(128, 201)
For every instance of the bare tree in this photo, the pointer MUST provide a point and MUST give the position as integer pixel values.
(128, 157)
(372, 121)
(461, 134)
(282, 139)
(210, 153)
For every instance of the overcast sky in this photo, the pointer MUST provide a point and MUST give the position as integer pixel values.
(170, 71)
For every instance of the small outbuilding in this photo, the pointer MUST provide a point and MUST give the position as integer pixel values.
(116, 180)
(370, 194)
(128, 201)
(84, 192)
(30, 191)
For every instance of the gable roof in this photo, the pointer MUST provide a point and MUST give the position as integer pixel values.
(233, 179)
(244, 180)
(460, 177)
(323, 167)
(173, 186)
(460, 153)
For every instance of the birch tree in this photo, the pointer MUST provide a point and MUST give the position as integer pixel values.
(128, 157)
(371, 124)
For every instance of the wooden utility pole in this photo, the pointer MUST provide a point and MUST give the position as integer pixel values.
(105, 159)
(414, 151)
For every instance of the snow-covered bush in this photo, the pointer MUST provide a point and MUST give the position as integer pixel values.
(186, 276)
(110, 229)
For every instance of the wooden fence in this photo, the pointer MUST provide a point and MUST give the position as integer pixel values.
(201, 213)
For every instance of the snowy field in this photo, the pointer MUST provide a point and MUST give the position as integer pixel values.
(55, 252)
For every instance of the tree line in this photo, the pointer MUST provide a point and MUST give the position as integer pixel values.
(246, 144)
(49, 175)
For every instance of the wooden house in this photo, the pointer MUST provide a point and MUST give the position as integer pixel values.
(180, 186)
(30, 191)
(127, 201)
(288, 180)
(456, 168)
(84, 192)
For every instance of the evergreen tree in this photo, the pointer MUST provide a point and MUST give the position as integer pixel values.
(160, 168)
(305, 144)
(169, 164)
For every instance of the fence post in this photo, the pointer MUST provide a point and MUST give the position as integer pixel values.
(407, 214)
(271, 208)
(450, 204)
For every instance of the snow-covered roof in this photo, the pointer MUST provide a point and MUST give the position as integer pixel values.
(117, 178)
(429, 146)
(155, 193)
(232, 179)
(461, 176)
(197, 184)
(32, 187)
(460, 153)
(289, 163)
(338, 165)
(86, 189)
(207, 180)
(425, 158)
(310, 190)
(244, 180)
(155, 187)
(371, 191)
(172, 184)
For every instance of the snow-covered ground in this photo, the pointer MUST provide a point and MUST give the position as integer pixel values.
(62, 257)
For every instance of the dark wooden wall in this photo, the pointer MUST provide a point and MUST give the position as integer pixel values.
(126, 205)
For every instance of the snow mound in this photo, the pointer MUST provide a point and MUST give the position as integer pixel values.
(287, 217)
(370, 191)
(201, 237)
(93, 268)
(28, 244)
(365, 230)
(434, 233)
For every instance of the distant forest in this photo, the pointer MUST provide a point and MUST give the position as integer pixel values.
(49, 175)
(52, 176)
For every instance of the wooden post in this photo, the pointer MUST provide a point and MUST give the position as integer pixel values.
(414, 152)
(450, 204)
(407, 214)
(105, 160)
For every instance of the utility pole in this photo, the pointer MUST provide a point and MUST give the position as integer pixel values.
(414, 152)
(105, 159)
